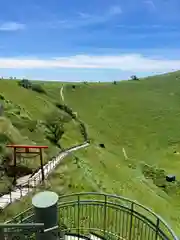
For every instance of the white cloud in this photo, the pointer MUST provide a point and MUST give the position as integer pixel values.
(84, 15)
(126, 62)
(148, 26)
(115, 10)
(11, 26)
(150, 4)
(86, 19)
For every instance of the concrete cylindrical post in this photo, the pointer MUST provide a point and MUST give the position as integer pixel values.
(45, 209)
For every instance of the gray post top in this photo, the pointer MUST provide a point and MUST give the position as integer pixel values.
(45, 199)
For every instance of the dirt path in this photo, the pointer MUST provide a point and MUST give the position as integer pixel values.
(61, 93)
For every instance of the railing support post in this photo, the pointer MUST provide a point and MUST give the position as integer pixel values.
(46, 211)
(157, 228)
(2, 237)
(105, 215)
(131, 221)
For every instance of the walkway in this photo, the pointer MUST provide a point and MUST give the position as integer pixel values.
(27, 183)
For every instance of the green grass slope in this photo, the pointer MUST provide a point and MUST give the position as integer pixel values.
(22, 122)
(141, 117)
(26, 110)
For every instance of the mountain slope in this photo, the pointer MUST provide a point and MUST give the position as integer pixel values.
(139, 119)
(143, 118)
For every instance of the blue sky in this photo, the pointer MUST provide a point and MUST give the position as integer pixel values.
(97, 40)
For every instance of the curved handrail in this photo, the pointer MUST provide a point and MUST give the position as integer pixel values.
(132, 203)
(118, 198)
(77, 199)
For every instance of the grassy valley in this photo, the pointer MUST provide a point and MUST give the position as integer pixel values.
(139, 119)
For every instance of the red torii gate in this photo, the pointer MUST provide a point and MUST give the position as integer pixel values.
(19, 149)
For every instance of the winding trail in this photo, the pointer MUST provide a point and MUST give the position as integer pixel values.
(124, 153)
(61, 93)
(27, 183)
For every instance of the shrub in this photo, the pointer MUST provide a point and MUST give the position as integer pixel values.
(158, 177)
(83, 131)
(1, 109)
(60, 106)
(25, 84)
(70, 112)
(38, 88)
(66, 109)
(34, 87)
(134, 77)
(31, 125)
(55, 126)
(4, 139)
(2, 97)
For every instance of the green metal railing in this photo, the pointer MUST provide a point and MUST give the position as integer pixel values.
(20, 231)
(107, 216)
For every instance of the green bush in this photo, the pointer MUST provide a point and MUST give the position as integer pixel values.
(25, 84)
(2, 97)
(73, 115)
(55, 127)
(4, 139)
(134, 77)
(158, 176)
(83, 131)
(66, 109)
(33, 86)
(38, 88)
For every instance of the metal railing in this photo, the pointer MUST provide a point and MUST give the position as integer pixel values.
(20, 231)
(34, 231)
(107, 216)
(32, 183)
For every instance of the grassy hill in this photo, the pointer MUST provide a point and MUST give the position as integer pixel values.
(143, 118)
(24, 121)
(139, 118)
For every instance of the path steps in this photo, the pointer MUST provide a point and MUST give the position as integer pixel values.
(27, 183)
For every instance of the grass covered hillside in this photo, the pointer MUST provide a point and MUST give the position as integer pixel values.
(31, 115)
(138, 123)
(141, 117)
